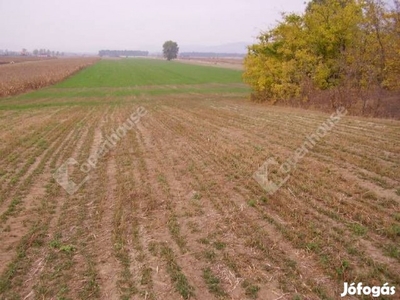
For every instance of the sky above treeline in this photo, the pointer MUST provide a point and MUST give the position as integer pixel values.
(91, 25)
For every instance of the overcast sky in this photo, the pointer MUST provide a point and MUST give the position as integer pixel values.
(91, 25)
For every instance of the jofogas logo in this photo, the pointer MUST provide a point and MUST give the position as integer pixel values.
(375, 291)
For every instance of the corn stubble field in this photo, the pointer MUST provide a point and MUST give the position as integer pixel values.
(28, 74)
(172, 211)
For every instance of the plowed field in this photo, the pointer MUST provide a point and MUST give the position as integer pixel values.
(169, 208)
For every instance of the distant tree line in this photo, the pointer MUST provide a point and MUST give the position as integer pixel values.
(44, 52)
(342, 52)
(36, 52)
(9, 53)
(210, 54)
(118, 53)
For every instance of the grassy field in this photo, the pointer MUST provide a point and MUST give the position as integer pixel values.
(144, 72)
(118, 81)
(172, 211)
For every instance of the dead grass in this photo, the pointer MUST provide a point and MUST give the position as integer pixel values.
(21, 59)
(236, 64)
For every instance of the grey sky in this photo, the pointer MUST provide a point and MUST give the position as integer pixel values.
(91, 25)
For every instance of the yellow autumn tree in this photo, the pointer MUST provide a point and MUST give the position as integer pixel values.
(343, 46)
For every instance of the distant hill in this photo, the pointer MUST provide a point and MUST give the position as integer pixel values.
(239, 48)
(211, 55)
(117, 53)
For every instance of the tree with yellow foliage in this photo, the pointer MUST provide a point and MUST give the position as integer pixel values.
(345, 47)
